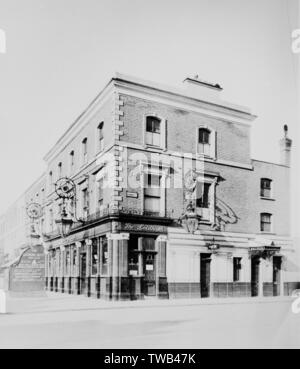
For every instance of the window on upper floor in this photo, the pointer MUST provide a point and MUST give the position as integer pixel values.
(266, 188)
(101, 137)
(153, 131)
(266, 222)
(85, 203)
(72, 160)
(85, 151)
(100, 193)
(204, 141)
(205, 199)
(152, 194)
(59, 170)
(51, 181)
(51, 220)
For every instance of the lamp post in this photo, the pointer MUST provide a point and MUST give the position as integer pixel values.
(65, 223)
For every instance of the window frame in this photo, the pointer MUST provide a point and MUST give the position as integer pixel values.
(101, 138)
(72, 160)
(163, 136)
(104, 266)
(212, 182)
(60, 170)
(237, 268)
(212, 152)
(85, 151)
(151, 194)
(262, 223)
(262, 188)
(94, 262)
(159, 170)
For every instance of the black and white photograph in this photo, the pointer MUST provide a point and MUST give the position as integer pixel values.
(149, 197)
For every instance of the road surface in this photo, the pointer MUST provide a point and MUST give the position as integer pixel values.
(77, 322)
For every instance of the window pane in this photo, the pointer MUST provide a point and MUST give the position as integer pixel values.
(204, 136)
(237, 266)
(152, 205)
(204, 149)
(266, 222)
(105, 257)
(155, 139)
(153, 125)
(149, 138)
(94, 258)
(203, 191)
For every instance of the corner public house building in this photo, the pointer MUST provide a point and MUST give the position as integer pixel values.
(169, 203)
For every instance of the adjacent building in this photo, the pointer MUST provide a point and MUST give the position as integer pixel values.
(167, 202)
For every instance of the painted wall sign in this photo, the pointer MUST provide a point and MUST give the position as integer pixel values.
(28, 274)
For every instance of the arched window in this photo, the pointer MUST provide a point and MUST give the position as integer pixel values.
(266, 222)
(153, 131)
(101, 136)
(204, 141)
(266, 187)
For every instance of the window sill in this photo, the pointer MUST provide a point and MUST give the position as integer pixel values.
(267, 198)
(205, 157)
(153, 147)
(268, 233)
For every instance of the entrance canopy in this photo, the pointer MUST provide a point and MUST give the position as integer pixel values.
(264, 248)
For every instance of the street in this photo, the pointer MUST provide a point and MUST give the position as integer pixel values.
(61, 321)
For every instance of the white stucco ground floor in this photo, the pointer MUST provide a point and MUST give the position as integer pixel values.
(130, 260)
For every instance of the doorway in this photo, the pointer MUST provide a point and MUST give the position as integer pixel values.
(205, 275)
(276, 275)
(83, 284)
(255, 261)
(149, 266)
(150, 274)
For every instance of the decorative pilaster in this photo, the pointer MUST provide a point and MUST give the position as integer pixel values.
(162, 282)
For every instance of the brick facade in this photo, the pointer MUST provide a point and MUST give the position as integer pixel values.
(118, 250)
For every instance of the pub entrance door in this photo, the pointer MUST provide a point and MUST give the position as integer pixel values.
(83, 281)
(255, 261)
(276, 275)
(205, 275)
(149, 267)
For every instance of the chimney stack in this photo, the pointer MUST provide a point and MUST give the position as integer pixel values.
(203, 90)
(285, 148)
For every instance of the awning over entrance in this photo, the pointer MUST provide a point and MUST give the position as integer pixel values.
(264, 248)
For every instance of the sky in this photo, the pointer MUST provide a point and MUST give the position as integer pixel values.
(61, 53)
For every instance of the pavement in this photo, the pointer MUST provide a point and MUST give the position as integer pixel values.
(64, 321)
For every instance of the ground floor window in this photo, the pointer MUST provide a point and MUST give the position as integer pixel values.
(104, 255)
(67, 260)
(237, 267)
(95, 257)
